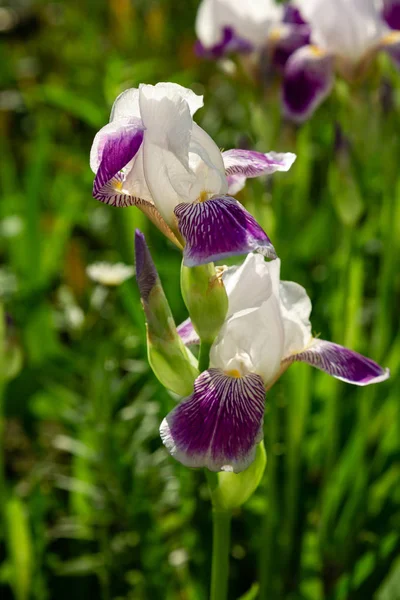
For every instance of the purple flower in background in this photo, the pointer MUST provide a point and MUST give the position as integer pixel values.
(391, 12)
(230, 26)
(344, 37)
(266, 329)
(153, 155)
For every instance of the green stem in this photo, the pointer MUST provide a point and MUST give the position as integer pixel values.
(220, 554)
(204, 357)
(2, 426)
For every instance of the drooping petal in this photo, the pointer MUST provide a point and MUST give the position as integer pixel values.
(218, 228)
(391, 13)
(187, 333)
(285, 40)
(341, 363)
(308, 80)
(249, 163)
(219, 425)
(114, 150)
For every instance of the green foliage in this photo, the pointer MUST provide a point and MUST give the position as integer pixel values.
(91, 504)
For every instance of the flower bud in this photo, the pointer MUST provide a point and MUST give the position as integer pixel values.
(172, 363)
(206, 300)
(234, 489)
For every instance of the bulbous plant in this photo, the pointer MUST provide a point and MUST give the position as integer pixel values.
(247, 341)
(250, 326)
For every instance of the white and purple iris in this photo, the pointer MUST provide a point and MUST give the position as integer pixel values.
(153, 155)
(345, 36)
(231, 26)
(266, 329)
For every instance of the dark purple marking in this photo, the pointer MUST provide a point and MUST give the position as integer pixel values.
(218, 228)
(342, 363)
(219, 425)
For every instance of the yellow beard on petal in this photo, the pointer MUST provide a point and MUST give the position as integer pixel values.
(233, 373)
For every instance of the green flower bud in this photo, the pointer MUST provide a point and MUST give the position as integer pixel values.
(172, 363)
(234, 489)
(205, 297)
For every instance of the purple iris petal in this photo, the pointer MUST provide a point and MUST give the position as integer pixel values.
(218, 228)
(307, 82)
(230, 43)
(253, 164)
(293, 15)
(342, 363)
(219, 425)
(291, 39)
(391, 13)
(119, 148)
(187, 333)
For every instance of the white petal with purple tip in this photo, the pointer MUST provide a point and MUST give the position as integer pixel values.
(219, 425)
(341, 363)
(253, 164)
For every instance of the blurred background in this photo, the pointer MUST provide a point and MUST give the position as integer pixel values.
(91, 504)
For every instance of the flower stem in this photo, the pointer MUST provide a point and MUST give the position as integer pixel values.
(204, 357)
(220, 554)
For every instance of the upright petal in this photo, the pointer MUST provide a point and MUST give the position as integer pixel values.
(218, 228)
(349, 28)
(249, 163)
(219, 425)
(341, 363)
(308, 80)
(253, 274)
(295, 309)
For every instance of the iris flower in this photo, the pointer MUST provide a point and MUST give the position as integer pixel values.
(153, 155)
(345, 36)
(267, 329)
(232, 26)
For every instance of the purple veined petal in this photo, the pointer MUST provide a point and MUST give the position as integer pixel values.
(341, 363)
(230, 43)
(187, 333)
(219, 425)
(391, 13)
(308, 80)
(117, 150)
(287, 39)
(253, 164)
(218, 228)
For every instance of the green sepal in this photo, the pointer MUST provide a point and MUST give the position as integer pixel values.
(172, 363)
(234, 489)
